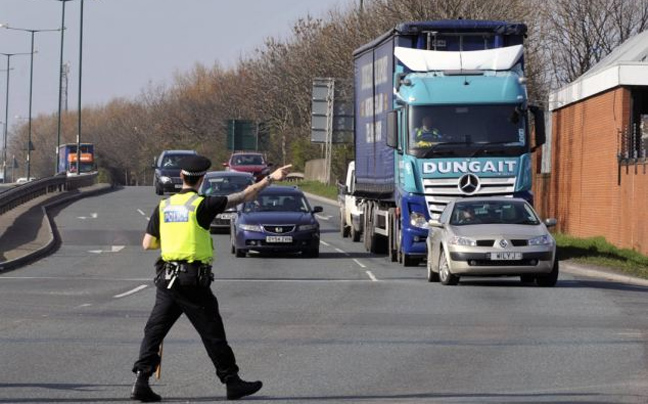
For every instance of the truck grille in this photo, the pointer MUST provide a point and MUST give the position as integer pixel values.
(440, 192)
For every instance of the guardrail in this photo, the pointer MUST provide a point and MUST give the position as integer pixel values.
(18, 195)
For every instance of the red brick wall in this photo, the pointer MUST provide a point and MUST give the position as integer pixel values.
(583, 191)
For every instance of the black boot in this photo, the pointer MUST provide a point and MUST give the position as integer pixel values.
(142, 391)
(237, 388)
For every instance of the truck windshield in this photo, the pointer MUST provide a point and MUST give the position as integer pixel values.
(466, 130)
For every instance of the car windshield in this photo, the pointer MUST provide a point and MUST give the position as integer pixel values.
(247, 160)
(465, 129)
(219, 186)
(278, 203)
(172, 161)
(493, 212)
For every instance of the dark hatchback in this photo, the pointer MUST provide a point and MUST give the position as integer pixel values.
(167, 170)
(279, 220)
(223, 183)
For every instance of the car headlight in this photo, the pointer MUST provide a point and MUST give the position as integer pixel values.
(165, 179)
(250, 227)
(418, 220)
(305, 227)
(542, 240)
(463, 241)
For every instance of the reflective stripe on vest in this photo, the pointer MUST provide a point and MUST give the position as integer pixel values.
(181, 237)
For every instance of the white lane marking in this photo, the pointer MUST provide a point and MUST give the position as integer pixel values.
(141, 212)
(372, 276)
(325, 218)
(343, 252)
(359, 263)
(83, 305)
(130, 292)
(325, 243)
(113, 249)
(94, 215)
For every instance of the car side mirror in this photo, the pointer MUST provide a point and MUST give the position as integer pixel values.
(392, 129)
(318, 209)
(435, 223)
(539, 123)
(550, 222)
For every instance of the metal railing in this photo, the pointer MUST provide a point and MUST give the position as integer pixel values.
(20, 194)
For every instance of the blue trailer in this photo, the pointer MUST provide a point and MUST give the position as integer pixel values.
(441, 113)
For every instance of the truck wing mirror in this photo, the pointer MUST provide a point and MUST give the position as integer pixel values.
(392, 129)
(539, 123)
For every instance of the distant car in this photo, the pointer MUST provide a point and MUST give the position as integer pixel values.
(222, 183)
(280, 219)
(491, 236)
(249, 162)
(167, 170)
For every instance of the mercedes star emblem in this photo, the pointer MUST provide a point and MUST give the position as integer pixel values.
(469, 184)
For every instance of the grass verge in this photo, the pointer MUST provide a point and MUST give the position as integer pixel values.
(598, 251)
(315, 187)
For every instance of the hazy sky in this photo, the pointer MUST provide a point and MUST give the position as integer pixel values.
(128, 44)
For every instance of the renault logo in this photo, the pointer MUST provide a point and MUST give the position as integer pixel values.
(503, 243)
(469, 184)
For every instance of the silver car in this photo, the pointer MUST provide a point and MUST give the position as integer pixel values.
(492, 236)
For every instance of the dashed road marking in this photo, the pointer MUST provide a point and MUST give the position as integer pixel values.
(130, 292)
(83, 305)
(325, 243)
(141, 212)
(325, 218)
(359, 263)
(372, 276)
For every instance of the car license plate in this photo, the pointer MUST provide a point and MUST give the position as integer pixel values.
(506, 256)
(178, 186)
(226, 216)
(278, 239)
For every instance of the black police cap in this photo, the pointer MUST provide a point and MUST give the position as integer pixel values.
(195, 166)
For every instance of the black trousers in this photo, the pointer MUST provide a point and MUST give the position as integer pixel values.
(201, 307)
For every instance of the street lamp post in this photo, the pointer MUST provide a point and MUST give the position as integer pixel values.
(31, 85)
(6, 121)
(60, 98)
(78, 171)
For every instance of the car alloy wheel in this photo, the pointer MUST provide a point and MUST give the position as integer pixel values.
(445, 276)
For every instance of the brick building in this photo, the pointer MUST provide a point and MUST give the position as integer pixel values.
(592, 176)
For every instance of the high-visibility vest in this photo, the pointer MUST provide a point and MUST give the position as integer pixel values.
(181, 237)
(420, 132)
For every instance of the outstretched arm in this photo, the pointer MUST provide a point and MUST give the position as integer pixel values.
(250, 193)
(150, 242)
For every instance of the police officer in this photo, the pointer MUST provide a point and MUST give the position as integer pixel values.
(179, 227)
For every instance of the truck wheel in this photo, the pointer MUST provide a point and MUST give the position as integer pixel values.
(410, 261)
(344, 231)
(549, 279)
(355, 235)
(391, 239)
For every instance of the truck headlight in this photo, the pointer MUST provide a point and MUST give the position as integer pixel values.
(542, 240)
(251, 227)
(165, 179)
(463, 241)
(418, 220)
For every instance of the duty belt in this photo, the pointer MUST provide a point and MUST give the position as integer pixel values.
(187, 273)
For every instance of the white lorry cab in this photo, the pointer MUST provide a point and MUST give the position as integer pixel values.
(351, 214)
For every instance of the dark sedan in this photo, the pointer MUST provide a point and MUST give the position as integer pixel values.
(279, 220)
(222, 183)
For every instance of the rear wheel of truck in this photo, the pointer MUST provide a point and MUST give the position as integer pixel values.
(392, 245)
(344, 231)
(355, 235)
